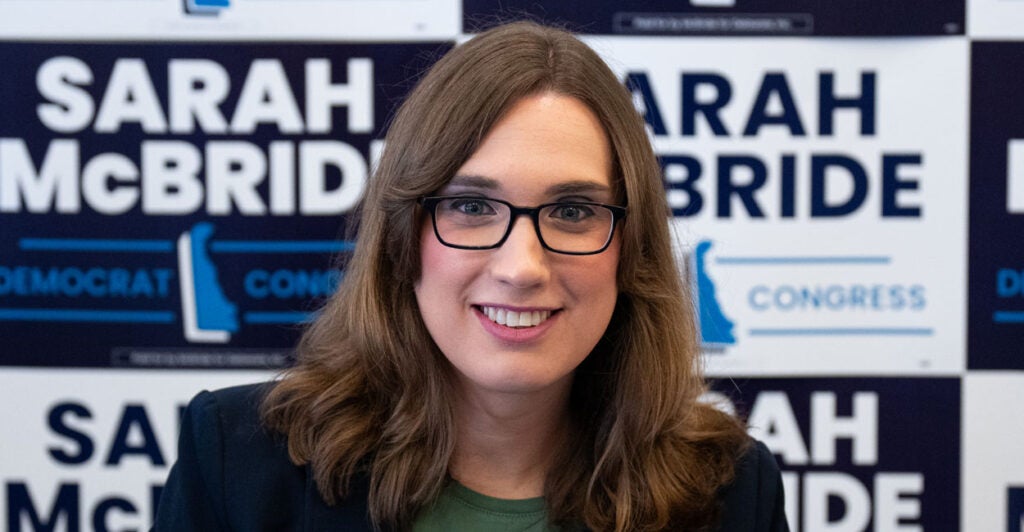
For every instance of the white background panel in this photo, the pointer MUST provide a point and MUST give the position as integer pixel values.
(993, 447)
(920, 90)
(995, 19)
(30, 396)
(366, 20)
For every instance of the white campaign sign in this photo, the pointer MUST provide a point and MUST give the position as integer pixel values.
(1015, 176)
(323, 20)
(993, 432)
(93, 445)
(826, 184)
(995, 19)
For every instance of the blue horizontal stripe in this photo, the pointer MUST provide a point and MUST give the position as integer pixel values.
(89, 244)
(846, 331)
(762, 261)
(104, 316)
(280, 246)
(278, 317)
(1008, 316)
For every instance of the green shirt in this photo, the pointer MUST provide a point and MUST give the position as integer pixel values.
(460, 508)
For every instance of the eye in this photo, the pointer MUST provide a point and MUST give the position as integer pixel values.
(469, 206)
(572, 212)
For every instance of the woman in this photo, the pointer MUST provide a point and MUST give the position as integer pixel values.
(511, 349)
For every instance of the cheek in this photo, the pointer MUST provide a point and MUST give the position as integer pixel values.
(610, 274)
(441, 271)
(595, 281)
(426, 286)
(429, 259)
(428, 255)
(608, 266)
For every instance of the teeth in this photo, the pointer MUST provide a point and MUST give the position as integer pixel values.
(511, 318)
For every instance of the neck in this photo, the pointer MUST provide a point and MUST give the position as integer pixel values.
(506, 443)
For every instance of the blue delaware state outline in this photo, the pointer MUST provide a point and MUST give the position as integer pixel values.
(715, 327)
(216, 318)
(205, 7)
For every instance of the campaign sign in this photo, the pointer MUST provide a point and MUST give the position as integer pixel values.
(731, 17)
(1015, 509)
(322, 20)
(996, 304)
(181, 204)
(993, 432)
(995, 19)
(853, 450)
(91, 449)
(821, 218)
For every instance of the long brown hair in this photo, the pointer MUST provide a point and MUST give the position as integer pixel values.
(371, 393)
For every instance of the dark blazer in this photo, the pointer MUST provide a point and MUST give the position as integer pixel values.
(232, 475)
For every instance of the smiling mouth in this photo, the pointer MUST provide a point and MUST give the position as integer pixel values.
(517, 320)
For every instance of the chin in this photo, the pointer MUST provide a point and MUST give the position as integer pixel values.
(522, 381)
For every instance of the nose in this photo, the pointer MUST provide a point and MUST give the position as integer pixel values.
(521, 261)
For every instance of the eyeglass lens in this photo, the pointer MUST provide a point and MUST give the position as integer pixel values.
(481, 222)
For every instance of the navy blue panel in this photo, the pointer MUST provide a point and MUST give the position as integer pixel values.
(995, 329)
(909, 412)
(1014, 509)
(93, 289)
(732, 17)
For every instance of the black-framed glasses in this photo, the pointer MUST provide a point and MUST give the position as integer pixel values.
(477, 222)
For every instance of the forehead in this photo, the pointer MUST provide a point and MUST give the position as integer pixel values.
(545, 144)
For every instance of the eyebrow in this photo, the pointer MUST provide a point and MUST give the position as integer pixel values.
(577, 187)
(473, 181)
(568, 187)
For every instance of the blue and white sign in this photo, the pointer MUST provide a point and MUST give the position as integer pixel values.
(733, 17)
(996, 310)
(93, 447)
(181, 205)
(995, 19)
(851, 449)
(320, 20)
(993, 497)
(1015, 509)
(809, 190)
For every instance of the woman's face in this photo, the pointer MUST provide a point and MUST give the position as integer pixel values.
(547, 148)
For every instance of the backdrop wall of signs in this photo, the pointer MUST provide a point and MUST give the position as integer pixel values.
(846, 181)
